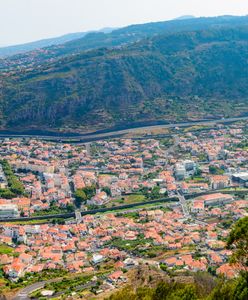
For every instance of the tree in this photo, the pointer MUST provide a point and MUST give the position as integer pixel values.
(198, 172)
(174, 291)
(15, 185)
(90, 191)
(186, 293)
(222, 291)
(126, 293)
(6, 194)
(80, 197)
(70, 207)
(238, 242)
(234, 289)
(107, 190)
(155, 193)
(241, 287)
(215, 170)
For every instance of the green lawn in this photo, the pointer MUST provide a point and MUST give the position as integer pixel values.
(134, 199)
(68, 284)
(32, 222)
(129, 245)
(157, 205)
(4, 249)
(30, 278)
(238, 189)
(197, 179)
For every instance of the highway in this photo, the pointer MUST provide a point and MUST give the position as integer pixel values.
(117, 133)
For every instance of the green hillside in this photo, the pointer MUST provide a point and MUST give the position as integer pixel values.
(171, 76)
(30, 56)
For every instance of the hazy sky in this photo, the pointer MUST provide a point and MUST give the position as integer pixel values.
(27, 20)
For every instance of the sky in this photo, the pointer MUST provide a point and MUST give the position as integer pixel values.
(28, 20)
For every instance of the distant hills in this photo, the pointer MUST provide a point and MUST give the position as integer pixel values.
(17, 49)
(116, 38)
(185, 17)
(23, 48)
(183, 69)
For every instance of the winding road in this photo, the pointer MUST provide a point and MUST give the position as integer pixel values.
(23, 293)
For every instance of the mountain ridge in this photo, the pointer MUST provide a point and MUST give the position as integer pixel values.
(12, 50)
(117, 38)
(185, 17)
(172, 77)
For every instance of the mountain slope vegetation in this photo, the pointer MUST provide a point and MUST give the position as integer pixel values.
(107, 38)
(45, 43)
(171, 76)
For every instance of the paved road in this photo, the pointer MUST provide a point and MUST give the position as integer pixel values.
(186, 211)
(183, 204)
(91, 212)
(174, 199)
(23, 294)
(96, 135)
(173, 147)
(88, 149)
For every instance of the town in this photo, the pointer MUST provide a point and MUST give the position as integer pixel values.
(187, 188)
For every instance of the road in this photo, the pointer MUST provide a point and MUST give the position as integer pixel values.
(184, 205)
(23, 294)
(185, 209)
(89, 212)
(98, 136)
(173, 147)
(119, 207)
(88, 149)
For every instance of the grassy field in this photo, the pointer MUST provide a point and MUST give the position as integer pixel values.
(4, 249)
(196, 180)
(150, 206)
(31, 222)
(134, 198)
(72, 283)
(238, 189)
